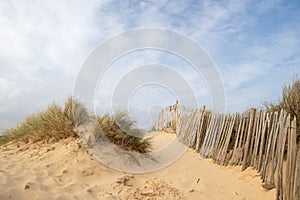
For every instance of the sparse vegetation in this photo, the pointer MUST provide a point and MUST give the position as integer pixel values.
(122, 131)
(58, 122)
(55, 122)
(290, 102)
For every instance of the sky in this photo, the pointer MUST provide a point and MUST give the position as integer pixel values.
(254, 45)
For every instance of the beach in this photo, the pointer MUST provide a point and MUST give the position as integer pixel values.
(66, 170)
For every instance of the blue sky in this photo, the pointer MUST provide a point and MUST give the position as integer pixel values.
(255, 46)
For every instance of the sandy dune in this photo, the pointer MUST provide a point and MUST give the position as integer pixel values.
(65, 170)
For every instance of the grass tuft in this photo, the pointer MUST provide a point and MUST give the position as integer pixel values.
(122, 131)
(55, 122)
(290, 102)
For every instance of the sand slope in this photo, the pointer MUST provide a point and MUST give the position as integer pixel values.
(65, 170)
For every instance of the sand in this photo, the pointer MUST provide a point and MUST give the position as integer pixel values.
(65, 170)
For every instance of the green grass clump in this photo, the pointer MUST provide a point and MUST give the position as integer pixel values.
(56, 122)
(122, 131)
(290, 102)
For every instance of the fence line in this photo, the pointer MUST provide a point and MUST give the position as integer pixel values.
(264, 141)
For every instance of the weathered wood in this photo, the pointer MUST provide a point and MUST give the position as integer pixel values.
(271, 134)
(267, 147)
(246, 149)
(175, 114)
(281, 145)
(220, 122)
(184, 132)
(237, 138)
(203, 129)
(294, 157)
(210, 137)
(244, 129)
(227, 141)
(219, 144)
(288, 166)
(165, 119)
(274, 150)
(260, 134)
(266, 139)
(207, 121)
(291, 162)
(257, 138)
(178, 120)
(297, 177)
(253, 135)
(200, 130)
(197, 122)
(265, 123)
(244, 137)
(189, 130)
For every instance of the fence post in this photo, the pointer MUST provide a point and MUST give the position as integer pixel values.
(175, 114)
(281, 148)
(297, 177)
(291, 162)
(247, 145)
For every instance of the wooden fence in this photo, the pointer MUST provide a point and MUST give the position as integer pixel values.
(264, 141)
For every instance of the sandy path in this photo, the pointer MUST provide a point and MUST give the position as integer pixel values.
(65, 170)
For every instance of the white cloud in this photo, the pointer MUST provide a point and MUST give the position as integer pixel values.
(43, 44)
(7, 89)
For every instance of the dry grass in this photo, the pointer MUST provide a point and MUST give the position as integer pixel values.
(55, 122)
(122, 131)
(290, 102)
(58, 122)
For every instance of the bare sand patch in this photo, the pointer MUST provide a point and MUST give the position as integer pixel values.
(65, 170)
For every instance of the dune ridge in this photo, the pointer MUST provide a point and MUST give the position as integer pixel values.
(65, 170)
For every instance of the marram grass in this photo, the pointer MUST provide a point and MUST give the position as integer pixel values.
(122, 131)
(290, 102)
(56, 122)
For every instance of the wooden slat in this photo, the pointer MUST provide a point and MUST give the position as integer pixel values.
(219, 144)
(247, 145)
(294, 157)
(281, 145)
(226, 144)
(265, 171)
(206, 123)
(200, 130)
(265, 125)
(209, 136)
(291, 161)
(244, 136)
(274, 150)
(257, 138)
(237, 138)
(253, 134)
(297, 177)
(220, 122)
